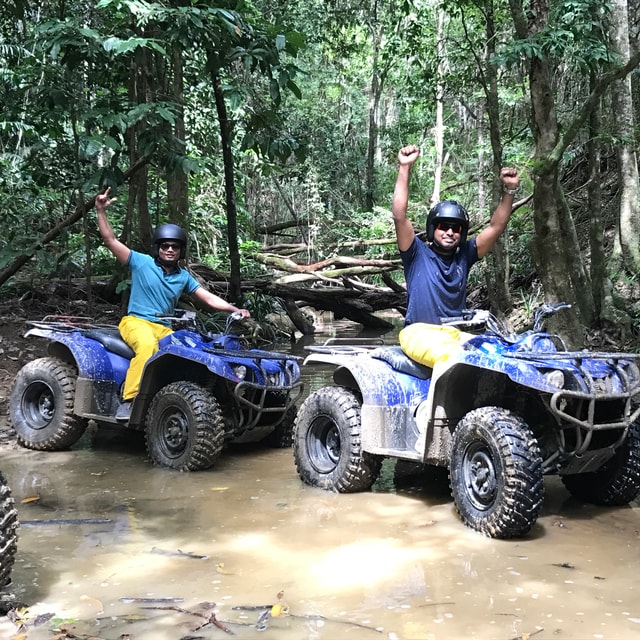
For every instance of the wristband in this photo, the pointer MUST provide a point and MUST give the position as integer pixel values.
(511, 192)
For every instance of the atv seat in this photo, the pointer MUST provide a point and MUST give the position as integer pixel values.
(400, 361)
(112, 340)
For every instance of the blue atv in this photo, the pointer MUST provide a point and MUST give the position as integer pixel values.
(197, 393)
(499, 414)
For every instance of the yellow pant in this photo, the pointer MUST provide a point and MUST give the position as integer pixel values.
(142, 336)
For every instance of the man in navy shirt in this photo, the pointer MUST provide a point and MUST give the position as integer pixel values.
(436, 271)
(157, 282)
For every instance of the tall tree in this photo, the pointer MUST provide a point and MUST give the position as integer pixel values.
(556, 248)
(629, 184)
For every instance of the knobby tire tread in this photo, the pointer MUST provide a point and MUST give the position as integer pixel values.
(8, 532)
(519, 464)
(65, 428)
(207, 444)
(282, 435)
(617, 482)
(355, 470)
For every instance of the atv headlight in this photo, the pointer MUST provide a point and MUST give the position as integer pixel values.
(554, 379)
(241, 371)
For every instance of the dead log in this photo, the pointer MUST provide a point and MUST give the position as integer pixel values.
(365, 265)
(344, 295)
(357, 305)
(300, 321)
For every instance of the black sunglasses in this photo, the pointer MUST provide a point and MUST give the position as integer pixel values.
(445, 226)
(165, 246)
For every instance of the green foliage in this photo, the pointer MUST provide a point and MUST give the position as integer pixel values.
(298, 78)
(577, 32)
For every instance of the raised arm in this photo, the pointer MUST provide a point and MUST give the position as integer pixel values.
(119, 249)
(500, 218)
(404, 229)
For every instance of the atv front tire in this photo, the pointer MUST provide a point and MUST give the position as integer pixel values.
(282, 435)
(184, 428)
(496, 473)
(326, 443)
(8, 533)
(617, 482)
(41, 406)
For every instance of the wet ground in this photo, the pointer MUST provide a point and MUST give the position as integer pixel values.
(101, 528)
(111, 547)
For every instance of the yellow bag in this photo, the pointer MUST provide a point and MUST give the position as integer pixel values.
(431, 343)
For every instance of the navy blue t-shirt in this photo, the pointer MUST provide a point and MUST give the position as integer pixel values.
(436, 285)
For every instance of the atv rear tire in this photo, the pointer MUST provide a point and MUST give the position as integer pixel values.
(184, 428)
(617, 482)
(496, 473)
(41, 406)
(8, 533)
(326, 443)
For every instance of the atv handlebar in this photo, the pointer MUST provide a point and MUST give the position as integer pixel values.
(469, 317)
(231, 318)
(186, 319)
(480, 318)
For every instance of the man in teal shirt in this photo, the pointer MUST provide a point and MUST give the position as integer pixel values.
(157, 282)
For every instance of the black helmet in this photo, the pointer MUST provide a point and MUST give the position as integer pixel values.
(169, 232)
(447, 211)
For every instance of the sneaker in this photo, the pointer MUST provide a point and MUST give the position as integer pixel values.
(124, 410)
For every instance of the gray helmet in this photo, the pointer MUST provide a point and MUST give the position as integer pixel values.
(447, 211)
(169, 232)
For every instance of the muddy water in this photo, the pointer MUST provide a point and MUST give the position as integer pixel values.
(103, 529)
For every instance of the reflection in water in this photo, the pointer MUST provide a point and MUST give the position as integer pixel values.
(318, 376)
(116, 546)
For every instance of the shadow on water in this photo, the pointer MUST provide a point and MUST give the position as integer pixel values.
(424, 482)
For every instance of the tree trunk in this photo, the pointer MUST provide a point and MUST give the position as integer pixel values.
(177, 181)
(499, 268)
(226, 135)
(555, 248)
(372, 138)
(594, 200)
(438, 133)
(629, 185)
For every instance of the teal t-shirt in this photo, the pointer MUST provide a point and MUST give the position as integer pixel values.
(153, 291)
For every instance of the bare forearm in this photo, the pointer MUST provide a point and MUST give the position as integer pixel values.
(401, 194)
(215, 302)
(119, 250)
(105, 229)
(500, 217)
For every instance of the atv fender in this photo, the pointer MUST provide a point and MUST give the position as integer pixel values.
(91, 358)
(390, 397)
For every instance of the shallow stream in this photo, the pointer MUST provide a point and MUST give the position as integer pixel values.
(111, 547)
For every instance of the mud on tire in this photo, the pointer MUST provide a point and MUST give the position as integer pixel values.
(41, 405)
(282, 436)
(496, 473)
(184, 428)
(617, 482)
(8, 533)
(326, 443)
